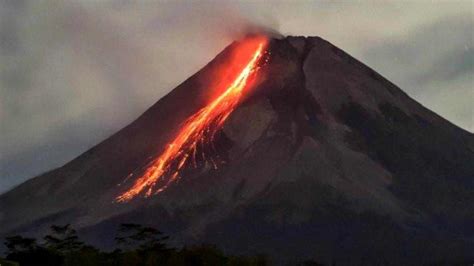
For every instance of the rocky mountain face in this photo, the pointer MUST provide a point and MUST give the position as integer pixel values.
(324, 159)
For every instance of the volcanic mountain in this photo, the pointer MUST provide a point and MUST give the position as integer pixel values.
(319, 157)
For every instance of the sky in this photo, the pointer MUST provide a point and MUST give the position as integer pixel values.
(73, 73)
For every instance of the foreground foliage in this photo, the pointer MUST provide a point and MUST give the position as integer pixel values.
(138, 245)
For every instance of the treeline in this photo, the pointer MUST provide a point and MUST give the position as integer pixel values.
(136, 245)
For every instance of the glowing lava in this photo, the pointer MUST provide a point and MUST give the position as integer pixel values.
(199, 128)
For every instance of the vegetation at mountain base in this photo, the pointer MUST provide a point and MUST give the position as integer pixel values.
(136, 245)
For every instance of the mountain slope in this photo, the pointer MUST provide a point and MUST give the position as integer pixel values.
(324, 158)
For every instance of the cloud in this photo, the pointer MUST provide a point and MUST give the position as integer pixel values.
(433, 63)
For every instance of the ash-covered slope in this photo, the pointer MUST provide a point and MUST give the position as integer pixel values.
(324, 159)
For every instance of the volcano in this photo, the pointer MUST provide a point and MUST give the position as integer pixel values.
(315, 156)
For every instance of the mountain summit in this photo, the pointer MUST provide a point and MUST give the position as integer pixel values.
(321, 157)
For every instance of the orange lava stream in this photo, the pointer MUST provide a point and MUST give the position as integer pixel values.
(204, 123)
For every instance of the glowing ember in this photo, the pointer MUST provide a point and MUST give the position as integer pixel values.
(199, 128)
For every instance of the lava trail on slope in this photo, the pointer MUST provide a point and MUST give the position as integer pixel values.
(201, 127)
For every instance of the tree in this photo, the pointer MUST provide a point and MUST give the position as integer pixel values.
(19, 244)
(143, 245)
(64, 239)
(8, 263)
(26, 251)
(144, 238)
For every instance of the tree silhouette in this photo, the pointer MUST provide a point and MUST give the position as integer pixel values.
(64, 239)
(142, 246)
(26, 251)
(17, 244)
(137, 236)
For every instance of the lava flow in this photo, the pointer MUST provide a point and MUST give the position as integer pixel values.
(198, 128)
